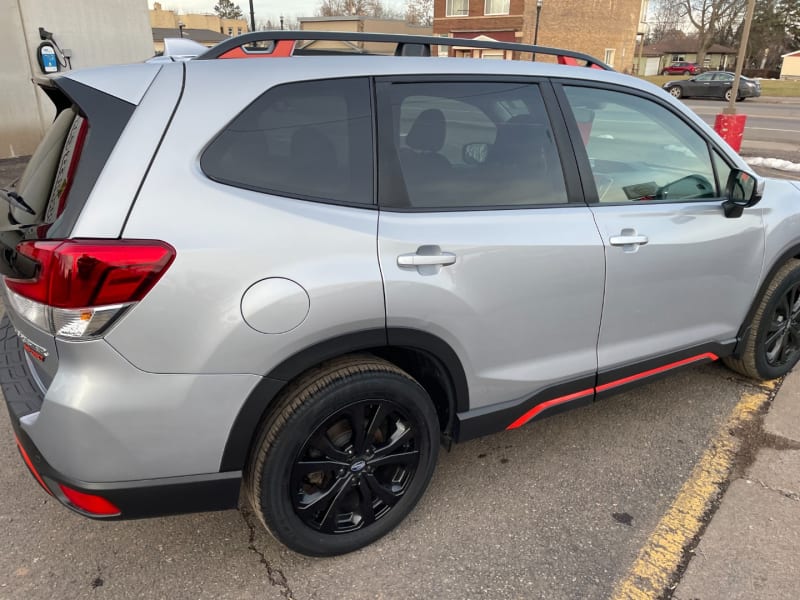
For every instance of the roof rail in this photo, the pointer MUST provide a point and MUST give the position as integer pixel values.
(284, 45)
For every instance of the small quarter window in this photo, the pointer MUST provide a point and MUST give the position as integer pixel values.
(308, 140)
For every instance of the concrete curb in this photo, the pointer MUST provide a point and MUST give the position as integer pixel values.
(750, 548)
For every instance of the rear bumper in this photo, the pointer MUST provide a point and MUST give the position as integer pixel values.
(136, 498)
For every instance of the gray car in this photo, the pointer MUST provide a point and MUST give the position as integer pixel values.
(714, 84)
(304, 274)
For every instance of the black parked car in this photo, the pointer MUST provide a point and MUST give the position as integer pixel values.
(713, 84)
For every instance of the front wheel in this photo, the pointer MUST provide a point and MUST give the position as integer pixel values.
(676, 91)
(771, 345)
(347, 453)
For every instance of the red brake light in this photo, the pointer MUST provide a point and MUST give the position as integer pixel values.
(86, 273)
(90, 503)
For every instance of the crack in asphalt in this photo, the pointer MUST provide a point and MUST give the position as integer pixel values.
(275, 575)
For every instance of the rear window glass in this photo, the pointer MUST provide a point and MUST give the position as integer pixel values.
(308, 140)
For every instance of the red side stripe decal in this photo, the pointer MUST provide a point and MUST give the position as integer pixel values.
(656, 371)
(545, 405)
(607, 386)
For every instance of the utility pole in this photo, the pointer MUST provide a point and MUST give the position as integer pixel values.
(252, 17)
(728, 124)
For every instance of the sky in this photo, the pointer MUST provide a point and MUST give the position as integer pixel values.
(264, 9)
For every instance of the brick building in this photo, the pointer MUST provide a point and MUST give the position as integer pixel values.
(606, 29)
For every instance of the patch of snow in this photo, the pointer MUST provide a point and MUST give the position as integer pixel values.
(772, 163)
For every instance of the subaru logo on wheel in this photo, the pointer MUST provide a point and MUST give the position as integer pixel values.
(358, 466)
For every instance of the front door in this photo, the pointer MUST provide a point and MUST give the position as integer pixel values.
(680, 276)
(482, 242)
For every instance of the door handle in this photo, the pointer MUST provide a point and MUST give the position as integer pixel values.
(628, 240)
(421, 260)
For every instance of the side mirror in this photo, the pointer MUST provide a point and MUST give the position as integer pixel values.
(475, 153)
(742, 191)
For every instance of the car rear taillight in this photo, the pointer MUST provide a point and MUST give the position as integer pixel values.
(90, 503)
(81, 286)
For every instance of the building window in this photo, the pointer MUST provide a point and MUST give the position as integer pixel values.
(496, 7)
(457, 8)
(238, 31)
(230, 30)
(609, 57)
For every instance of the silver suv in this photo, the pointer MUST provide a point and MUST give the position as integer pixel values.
(296, 276)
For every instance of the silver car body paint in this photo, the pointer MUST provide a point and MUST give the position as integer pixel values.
(521, 306)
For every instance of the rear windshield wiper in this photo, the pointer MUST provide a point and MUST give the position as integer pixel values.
(14, 200)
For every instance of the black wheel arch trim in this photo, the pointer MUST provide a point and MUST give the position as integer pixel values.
(793, 252)
(252, 412)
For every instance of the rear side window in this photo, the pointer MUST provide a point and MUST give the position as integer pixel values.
(310, 140)
(462, 145)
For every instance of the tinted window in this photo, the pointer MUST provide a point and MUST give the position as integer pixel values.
(453, 145)
(639, 150)
(308, 140)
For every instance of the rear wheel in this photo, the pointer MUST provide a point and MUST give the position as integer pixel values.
(771, 346)
(728, 95)
(347, 453)
(676, 91)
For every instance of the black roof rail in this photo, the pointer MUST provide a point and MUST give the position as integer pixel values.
(407, 45)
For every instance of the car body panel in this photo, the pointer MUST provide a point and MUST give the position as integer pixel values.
(692, 282)
(519, 319)
(103, 420)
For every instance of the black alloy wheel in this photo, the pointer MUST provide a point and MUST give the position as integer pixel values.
(782, 341)
(355, 467)
(770, 343)
(344, 455)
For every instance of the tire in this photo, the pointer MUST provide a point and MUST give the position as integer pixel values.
(676, 91)
(362, 486)
(763, 356)
(728, 96)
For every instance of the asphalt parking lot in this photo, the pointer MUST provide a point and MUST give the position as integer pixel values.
(557, 509)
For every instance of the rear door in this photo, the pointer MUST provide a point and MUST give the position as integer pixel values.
(680, 275)
(700, 86)
(485, 241)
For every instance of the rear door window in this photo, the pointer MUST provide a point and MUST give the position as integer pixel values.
(461, 145)
(309, 140)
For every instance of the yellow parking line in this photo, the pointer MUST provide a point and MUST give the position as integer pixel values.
(660, 557)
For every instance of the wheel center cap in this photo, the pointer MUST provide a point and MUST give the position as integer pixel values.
(358, 466)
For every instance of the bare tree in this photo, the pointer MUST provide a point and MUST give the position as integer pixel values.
(420, 12)
(710, 18)
(664, 19)
(356, 8)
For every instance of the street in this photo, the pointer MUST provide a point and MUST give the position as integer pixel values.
(772, 129)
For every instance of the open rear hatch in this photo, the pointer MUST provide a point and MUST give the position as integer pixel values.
(40, 209)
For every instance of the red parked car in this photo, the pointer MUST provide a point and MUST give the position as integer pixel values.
(681, 67)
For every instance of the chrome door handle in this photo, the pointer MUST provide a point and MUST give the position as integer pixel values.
(627, 240)
(421, 260)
